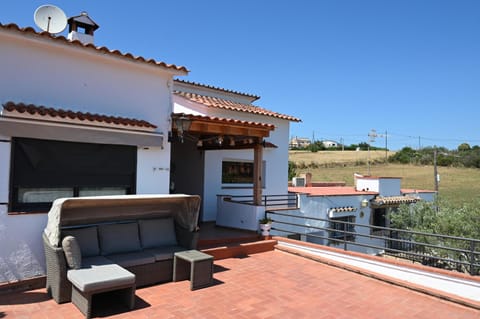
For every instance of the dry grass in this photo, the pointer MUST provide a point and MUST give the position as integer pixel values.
(328, 157)
(458, 185)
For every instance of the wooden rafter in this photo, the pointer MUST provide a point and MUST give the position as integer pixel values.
(203, 125)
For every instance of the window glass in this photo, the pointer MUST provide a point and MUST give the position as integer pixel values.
(240, 172)
(237, 172)
(102, 191)
(42, 195)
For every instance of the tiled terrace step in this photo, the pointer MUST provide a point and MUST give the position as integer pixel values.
(239, 249)
(215, 242)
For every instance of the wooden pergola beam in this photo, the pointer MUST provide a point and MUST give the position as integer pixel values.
(206, 128)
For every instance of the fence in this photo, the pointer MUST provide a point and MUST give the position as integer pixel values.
(442, 251)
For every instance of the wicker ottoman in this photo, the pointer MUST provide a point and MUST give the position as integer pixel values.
(87, 282)
(193, 265)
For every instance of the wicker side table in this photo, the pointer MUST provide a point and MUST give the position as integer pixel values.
(193, 265)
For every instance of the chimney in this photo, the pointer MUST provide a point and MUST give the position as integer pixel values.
(81, 28)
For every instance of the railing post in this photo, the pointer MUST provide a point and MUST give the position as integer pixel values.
(472, 257)
(344, 236)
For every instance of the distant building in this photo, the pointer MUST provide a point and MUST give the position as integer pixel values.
(299, 142)
(367, 204)
(330, 144)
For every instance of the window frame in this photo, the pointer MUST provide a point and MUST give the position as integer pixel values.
(237, 162)
(341, 221)
(16, 206)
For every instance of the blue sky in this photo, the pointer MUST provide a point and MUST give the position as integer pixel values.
(410, 68)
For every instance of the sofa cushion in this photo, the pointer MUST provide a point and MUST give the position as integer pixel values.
(100, 277)
(164, 253)
(72, 252)
(132, 259)
(87, 239)
(118, 238)
(157, 232)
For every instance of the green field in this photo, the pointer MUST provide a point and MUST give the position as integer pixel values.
(458, 185)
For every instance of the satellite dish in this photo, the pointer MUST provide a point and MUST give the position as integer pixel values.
(50, 18)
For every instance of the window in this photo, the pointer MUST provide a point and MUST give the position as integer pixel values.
(44, 170)
(239, 172)
(339, 227)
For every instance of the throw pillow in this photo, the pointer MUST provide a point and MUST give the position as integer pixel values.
(71, 248)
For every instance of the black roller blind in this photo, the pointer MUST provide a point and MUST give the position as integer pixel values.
(45, 163)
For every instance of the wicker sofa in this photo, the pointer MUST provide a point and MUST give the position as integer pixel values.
(137, 232)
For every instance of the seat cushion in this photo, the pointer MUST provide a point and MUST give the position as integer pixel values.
(164, 253)
(118, 238)
(94, 278)
(87, 239)
(157, 232)
(132, 259)
(73, 255)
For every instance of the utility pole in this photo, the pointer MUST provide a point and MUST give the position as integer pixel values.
(386, 148)
(373, 134)
(435, 172)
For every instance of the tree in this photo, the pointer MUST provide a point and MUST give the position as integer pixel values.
(463, 147)
(440, 218)
(292, 170)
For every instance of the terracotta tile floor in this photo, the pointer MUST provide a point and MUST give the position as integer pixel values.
(273, 284)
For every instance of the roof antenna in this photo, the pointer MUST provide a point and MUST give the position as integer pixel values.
(50, 18)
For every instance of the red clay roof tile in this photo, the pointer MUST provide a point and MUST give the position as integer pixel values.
(256, 97)
(63, 40)
(233, 106)
(60, 113)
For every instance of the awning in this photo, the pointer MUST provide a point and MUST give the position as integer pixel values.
(20, 120)
(383, 201)
(341, 211)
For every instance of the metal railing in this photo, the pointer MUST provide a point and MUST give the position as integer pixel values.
(271, 201)
(441, 251)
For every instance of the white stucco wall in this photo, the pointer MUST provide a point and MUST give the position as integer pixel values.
(153, 170)
(44, 72)
(21, 250)
(239, 215)
(5, 146)
(384, 186)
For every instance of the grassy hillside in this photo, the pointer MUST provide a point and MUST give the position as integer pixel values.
(458, 185)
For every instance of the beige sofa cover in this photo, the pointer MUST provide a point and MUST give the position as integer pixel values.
(90, 210)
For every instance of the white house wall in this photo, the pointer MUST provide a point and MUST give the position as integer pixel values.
(69, 77)
(21, 251)
(153, 170)
(73, 78)
(384, 186)
(371, 185)
(5, 147)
